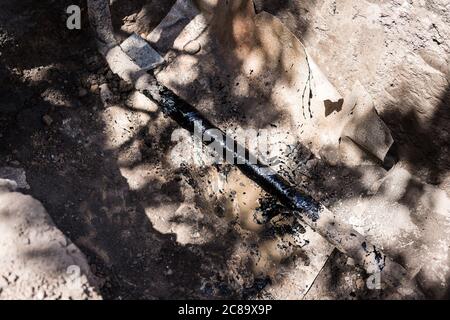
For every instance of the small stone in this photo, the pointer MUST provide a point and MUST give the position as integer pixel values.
(94, 88)
(139, 101)
(350, 262)
(192, 47)
(47, 120)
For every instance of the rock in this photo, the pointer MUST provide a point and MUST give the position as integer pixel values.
(141, 52)
(140, 102)
(47, 120)
(406, 218)
(42, 266)
(120, 124)
(7, 185)
(364, 127)
(400, 52)
(17, 175)
(192, 47)
(179, 26)
(94, 88)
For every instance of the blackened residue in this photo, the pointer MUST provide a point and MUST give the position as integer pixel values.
(379, 258)
(258, 285)
(268, 208)
(364, 246)
(282, 222)
(187, 116)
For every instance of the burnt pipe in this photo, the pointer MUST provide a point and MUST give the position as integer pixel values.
(193, 121)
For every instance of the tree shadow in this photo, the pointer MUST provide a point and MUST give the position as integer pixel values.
(423, 142)
(85, 193)
(80, 183)
(142, 15)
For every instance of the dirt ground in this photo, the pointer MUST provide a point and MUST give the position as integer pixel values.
(52, 126)
(84, 151)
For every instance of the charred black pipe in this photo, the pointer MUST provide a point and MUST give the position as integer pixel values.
(189, 118)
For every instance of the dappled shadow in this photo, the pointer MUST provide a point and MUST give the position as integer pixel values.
(141, 16)
(422, 148)
(220, 80)
(81, 185)
(292, 13)
(422, 141)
